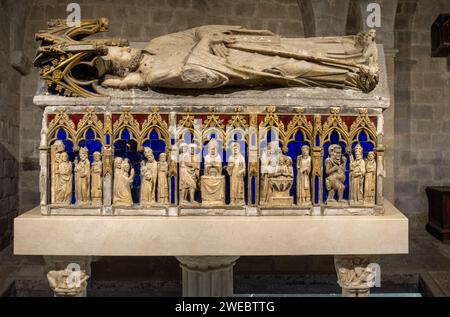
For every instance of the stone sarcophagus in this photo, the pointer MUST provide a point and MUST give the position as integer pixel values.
(217, 120)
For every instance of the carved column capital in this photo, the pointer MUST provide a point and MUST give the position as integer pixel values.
(355, 275)
(206, 263)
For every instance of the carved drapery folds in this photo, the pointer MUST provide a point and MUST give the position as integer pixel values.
(291, 161)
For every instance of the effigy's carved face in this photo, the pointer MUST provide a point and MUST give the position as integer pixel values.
(124, 59)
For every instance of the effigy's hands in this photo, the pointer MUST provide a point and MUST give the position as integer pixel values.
(218, 42)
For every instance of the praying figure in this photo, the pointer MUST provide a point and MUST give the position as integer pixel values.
(163, 183)
(123, 178)
(213, 182)
(357, 172)
(189, 173)
(303, 176)
(370, 179)
(63, 177)
(335, 171)
(97, 183)
(149, 172)
(82, 177)
(236, 170)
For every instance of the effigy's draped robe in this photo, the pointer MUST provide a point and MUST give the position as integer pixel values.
(254, 57)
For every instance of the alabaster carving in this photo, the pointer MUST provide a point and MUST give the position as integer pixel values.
(82, 177)
(303, 176)
(65, 284)
(189, 173)
(123, 178)
(357, 173)
(149, 174)
(370, 179)
(214, 56)
(163, 182)
(213, 182)
(279, 177)
(97, 179)
(335, 171)
(355, 275)
(236, 170)
(63, 179)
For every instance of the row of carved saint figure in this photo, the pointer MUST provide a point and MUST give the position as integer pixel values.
(276, 177)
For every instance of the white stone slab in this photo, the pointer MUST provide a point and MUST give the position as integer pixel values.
(35, 234)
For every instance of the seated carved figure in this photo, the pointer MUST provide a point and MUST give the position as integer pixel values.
(213, 182)
(215, 56)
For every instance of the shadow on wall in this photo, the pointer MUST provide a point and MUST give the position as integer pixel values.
(9, 199)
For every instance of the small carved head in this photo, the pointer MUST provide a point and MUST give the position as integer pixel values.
(84, 153)
(148, 153)
(212, 146)
(163, 157)
(235, 147)
(305, 150)
(64, 157)
(358, 151)
(118, 162)
(97, 156)
(371, 156)
(126, 165)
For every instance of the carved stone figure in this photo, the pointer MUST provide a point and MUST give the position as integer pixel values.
(213, 182)
(370, 179)
(149, 174)
(357, 172)
(65, 283)
(163, 183)
(63, 178)
(303, 176)
(280, 175)
(214, 56)
(122, 183)
(56, 150)
(189, 173)
(264, 191)
(236, 170)
(97, 179)
(355, 275)
(335, 171)
(82, 177)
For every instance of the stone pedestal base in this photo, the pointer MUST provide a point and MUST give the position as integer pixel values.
(356, 275)
(207, 275)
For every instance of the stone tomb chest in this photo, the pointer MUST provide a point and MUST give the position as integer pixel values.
(138, 146)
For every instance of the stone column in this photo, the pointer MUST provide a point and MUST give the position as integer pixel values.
(356, 274)
(63, 276)
(207, 275)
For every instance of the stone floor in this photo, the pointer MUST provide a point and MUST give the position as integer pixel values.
(428, 263)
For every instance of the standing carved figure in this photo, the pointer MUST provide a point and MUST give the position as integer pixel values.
(265, 170)
(189, 173)
(124, 179)
(163, 183)
(357, 172)
(149, 172)
(236, 170)
(303, 176)
(63, 186)
(82, 177)
(96, 182)
(117, 171)
(56, 150)
(370, 179)
(335, 171)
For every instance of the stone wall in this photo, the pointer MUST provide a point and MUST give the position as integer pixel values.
(9, 130)
(422, 97)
